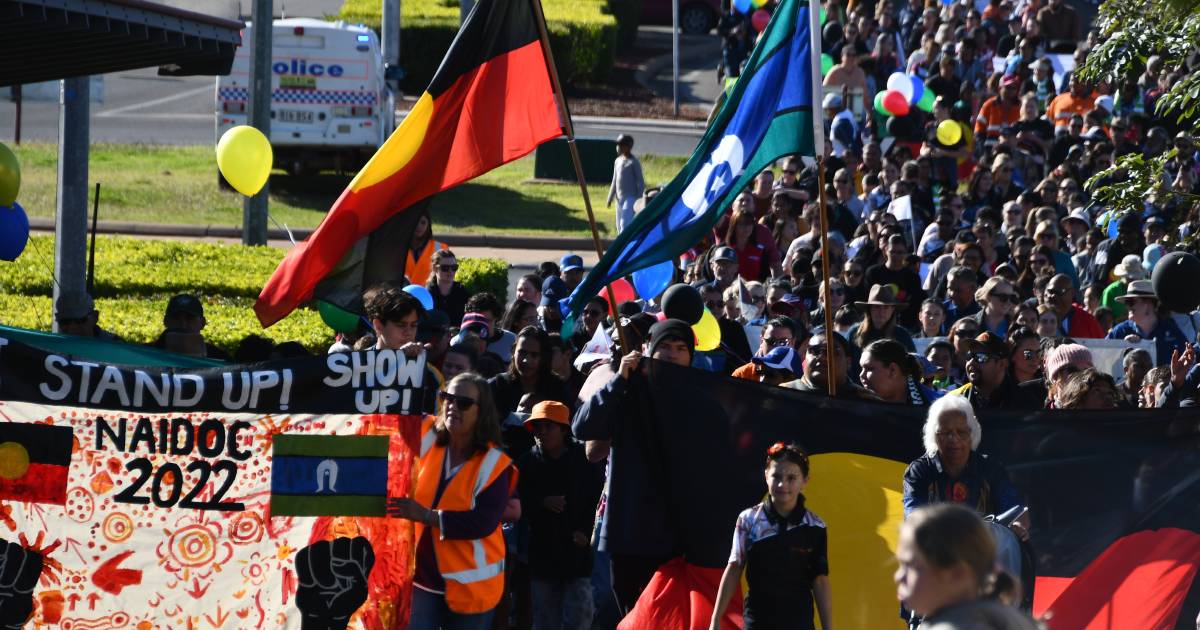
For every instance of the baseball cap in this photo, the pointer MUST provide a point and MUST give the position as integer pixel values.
(570, 262)
(781, 358)
(549, 410)
(187, 304)
(725, 253)
(625, 139)
(990, 343)
(553, 290)
(1010, 80)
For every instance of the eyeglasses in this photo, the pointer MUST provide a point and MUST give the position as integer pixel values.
(981, 357)
(961, 436)
(462, 403)
(447, 267)
(779, 341)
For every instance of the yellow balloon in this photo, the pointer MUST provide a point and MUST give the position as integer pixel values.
(949, 133)
(245, 159)
(10, 177)
(708, 333)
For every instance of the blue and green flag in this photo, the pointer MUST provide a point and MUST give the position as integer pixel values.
(329, 475)
(768, 115)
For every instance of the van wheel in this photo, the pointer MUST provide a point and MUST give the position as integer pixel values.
(696, 19)
(223, 183)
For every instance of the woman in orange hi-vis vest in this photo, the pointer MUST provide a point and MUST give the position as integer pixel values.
(464, 482)
(420, 250)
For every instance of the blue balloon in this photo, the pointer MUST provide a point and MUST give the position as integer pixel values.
(422, 294)
(14, 231)
(652, 280)
(918, 89)
(742, 6)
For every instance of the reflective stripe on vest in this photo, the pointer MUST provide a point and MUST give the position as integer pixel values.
(485, 472)
(484, 570)
(428, 440)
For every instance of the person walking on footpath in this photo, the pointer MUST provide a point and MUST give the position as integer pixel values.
(628, 184)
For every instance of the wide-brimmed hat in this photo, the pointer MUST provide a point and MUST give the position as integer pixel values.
(880, 295)
(1130, 267)
(550, 411)
(1138, 289)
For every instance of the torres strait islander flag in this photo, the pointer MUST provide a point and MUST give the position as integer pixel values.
(490, 102)
(768, 115)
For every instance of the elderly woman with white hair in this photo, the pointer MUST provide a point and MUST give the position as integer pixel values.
(952, 470)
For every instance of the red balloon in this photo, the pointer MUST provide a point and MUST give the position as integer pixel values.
(894, 102)
(759, 19)
(622, 292)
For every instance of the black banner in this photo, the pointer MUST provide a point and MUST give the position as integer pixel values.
(371, 381)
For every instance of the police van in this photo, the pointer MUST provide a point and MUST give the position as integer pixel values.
(331, 107)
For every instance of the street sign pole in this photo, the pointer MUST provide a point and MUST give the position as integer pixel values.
(254, 209)
(70, 225)
(675, 56)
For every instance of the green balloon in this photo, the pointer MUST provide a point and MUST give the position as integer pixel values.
(822, 14)
(926, 102)
(826, 64)
(339, 319)
(10, 177)
(879, 105)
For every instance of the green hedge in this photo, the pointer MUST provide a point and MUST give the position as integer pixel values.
(583, 36)
(135, 278)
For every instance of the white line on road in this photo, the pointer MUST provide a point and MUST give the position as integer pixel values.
(112, 113)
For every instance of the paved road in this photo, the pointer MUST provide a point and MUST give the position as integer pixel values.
(699, 56)
(142, 107)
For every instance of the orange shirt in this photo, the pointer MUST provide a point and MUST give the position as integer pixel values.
(1066, 105)
(994, 115)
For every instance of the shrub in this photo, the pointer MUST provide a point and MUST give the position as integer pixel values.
(135, 278)
(583, 36)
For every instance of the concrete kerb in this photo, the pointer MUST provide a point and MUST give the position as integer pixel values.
(39, 224)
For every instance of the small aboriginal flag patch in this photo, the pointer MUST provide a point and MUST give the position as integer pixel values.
(34, 461)
(329, 475)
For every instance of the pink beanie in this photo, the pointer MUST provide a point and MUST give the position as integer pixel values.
(1069, 354)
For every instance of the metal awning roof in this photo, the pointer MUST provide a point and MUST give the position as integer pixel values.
(43, 40)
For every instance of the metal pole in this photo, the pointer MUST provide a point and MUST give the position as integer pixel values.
(464, 9)
(675, 56)
(91, 270)
(569, 130)
(254, 209)
(17, 98)
(70, 225)
(390, 36)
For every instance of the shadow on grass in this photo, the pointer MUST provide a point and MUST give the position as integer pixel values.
(309, 192)
(487, 207)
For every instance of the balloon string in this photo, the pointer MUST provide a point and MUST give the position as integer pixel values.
(42, 258)
(284, 227)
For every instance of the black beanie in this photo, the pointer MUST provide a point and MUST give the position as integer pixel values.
(672, 329)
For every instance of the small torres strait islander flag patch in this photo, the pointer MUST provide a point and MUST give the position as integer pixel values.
(34, 461)
(329, 475)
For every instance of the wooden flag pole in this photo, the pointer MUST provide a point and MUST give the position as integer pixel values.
(814, 54)
(568, 128)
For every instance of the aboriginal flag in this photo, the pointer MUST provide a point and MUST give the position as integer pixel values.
(489, 103)
(1112, 496)
(329, 475)
(34, 461)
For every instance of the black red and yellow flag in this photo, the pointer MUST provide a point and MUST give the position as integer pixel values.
(1113, 499)
(489, 103)
(34, 461)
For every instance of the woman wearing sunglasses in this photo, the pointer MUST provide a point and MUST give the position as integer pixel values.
(462, 489)
(1025, 362)
(449, 296)
(998, 298)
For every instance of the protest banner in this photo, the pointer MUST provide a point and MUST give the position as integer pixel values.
(236, 497)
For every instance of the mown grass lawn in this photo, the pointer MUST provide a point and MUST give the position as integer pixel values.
(168, 184)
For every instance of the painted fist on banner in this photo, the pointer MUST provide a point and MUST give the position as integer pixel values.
(19, 572)
(333, 581)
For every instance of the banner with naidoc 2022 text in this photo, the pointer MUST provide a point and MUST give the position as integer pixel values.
(241, 497)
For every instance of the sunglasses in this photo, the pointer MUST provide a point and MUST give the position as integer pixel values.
(447, 267)
(982, 357)
(1011, 297)
(462, 403)
(782, 341)
(1030, 355)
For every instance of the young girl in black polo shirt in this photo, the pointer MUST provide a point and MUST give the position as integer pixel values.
(782, 548)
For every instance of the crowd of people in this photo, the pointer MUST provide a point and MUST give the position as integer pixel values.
(966, 277)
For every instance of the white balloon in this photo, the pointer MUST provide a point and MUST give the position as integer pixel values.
(901, 83)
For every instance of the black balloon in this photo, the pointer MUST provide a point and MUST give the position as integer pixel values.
(683, 301)
(1176, 281)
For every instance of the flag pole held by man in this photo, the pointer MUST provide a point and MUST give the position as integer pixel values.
(768, 115)
(490, 102)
